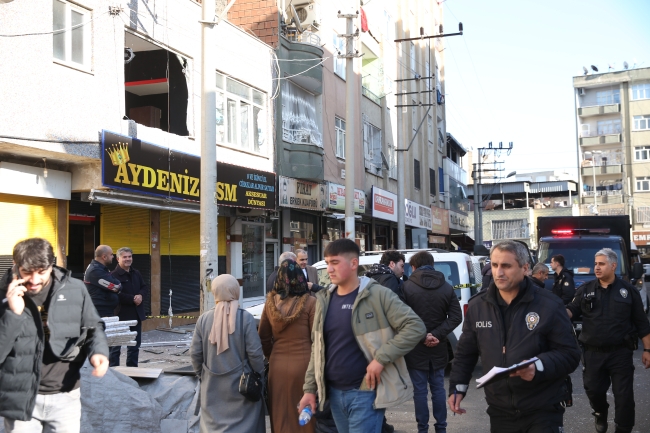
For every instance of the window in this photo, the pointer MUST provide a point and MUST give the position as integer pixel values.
(608, 97)
(372, 147)
(416, 174)
(430, 128)
(441, 142)
(641, 122)
(300, 124)
(641, 153)
(71, 38)
(609, 127)
(339, 64)
(390, 28)
(339, 127)
(392, 161)
(643, 183)
(412, 52)
(641, 91)
(643, 214)
(510, 229)
(432, 182)
(427, 74)
(241, 115)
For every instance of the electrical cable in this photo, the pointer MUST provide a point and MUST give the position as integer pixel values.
(55, 32)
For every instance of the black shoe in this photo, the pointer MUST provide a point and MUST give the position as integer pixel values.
(601, 422)
(387, 428)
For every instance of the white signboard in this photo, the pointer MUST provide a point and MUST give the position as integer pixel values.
(417, 215)
(301, 194)
(458, 221)
(337, 198)
(384, 204)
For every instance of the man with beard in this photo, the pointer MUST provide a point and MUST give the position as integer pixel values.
(48, 327)
(388, 272)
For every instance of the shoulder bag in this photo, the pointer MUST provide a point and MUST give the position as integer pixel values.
(250, 383)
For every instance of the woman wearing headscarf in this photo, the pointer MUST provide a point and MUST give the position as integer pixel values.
(285, 331)
(216, 357)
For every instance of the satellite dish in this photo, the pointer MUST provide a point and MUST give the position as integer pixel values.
(595, 69)
(295, 19)
(626, 65)
(585, 70)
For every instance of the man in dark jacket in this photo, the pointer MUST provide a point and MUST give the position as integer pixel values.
(540, 274)
(102, 286)
(388, 272)
(486, 274)
(513, 321)
(564, 287)
(48, 327)
(131, 307)
(434, 300)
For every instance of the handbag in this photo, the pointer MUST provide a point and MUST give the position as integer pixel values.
(250, 382)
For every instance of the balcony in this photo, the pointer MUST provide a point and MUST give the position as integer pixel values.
(603, 197)
(595, 138)
(599, 110)
(454, 171)
(302, 54)
(602, 169)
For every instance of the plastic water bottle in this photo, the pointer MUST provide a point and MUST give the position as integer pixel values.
(305, 416)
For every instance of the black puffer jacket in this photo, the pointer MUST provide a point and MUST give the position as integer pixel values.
(434, 300)
(540, 327)
(75, 333)
(103, 288)
(487, 279)
(386, 277)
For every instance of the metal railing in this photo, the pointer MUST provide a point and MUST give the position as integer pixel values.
(608, 192)
(592, 133)
(305, 37)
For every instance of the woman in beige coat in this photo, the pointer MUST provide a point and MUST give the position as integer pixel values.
(285, 331)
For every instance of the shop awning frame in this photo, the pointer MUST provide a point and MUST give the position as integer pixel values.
(141, 201)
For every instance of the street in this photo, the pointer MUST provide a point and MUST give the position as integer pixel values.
(577, 419)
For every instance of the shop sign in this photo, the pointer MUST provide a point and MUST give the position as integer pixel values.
(384, 204)
(301, 194)
(458, 221)
(337, 198)
(131, 164)
(417, 215)
(439, 220)
(641, 238)
(437, 239)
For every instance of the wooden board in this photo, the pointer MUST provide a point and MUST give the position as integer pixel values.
(149, 373)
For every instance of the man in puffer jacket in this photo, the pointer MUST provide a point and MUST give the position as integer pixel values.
(389, 271)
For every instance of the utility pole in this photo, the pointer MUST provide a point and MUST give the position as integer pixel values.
(350, 116)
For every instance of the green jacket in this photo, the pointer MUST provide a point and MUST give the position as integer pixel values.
(386, 330)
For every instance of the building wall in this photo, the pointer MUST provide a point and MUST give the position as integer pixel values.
(259, 17)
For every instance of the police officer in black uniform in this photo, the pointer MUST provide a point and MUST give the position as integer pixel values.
(612, 321)
(515, 320)
(564, 287)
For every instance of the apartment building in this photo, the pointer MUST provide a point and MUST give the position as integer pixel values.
(613, 134)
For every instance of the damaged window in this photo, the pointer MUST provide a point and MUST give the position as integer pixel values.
(299, 121)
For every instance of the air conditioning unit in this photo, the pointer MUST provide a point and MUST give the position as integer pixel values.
(309, 15)
(581, 91)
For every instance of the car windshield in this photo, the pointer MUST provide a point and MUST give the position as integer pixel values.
(579, 254)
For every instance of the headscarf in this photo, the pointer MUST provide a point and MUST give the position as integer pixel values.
(291, 280)
(225, 289)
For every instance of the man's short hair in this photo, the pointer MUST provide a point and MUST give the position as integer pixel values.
(101, 250)
(124, 250)
(301, 251)
(391, 256)
(612, 258)
(33, 254)
(540, 267)
(519, 251)
(559, 259)
(287, 255)
(422, 258)
(341, 247)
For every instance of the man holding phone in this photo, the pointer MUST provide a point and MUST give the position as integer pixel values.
(510, 322)
(48, 327)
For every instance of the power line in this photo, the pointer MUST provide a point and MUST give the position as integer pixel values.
(55, 32)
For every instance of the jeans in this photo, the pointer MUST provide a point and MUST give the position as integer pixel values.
(436, 381)
(132, 352)
(353, 411)
(53, 413)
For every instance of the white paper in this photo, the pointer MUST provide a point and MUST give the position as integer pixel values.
(496, 370)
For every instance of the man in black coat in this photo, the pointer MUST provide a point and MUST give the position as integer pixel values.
(563, 286)
(388, 272)
(514, 320)
(131, 307)
(433, 299)
(101, 285)
(540, 274)
(48, 327)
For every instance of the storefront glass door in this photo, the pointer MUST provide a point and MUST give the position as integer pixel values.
(253, 260)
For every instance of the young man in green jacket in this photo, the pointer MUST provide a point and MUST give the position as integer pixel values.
(360, 335)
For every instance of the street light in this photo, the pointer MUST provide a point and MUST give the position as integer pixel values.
(593, 154)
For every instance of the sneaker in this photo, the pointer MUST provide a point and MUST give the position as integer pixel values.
(601, 422)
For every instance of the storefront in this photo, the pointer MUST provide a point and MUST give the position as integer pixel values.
(642, 241)
(335, 221)
(439, 228)
(384, 214)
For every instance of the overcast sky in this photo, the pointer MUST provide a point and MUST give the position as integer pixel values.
(509, 77)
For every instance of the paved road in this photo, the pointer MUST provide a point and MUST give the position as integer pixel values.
(577, 419)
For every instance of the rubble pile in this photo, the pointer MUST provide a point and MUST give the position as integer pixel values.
(119, 333)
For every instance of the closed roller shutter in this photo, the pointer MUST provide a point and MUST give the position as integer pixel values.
(23, 217)
(122, 226)
(179, 233)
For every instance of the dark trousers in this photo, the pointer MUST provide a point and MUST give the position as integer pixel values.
(132, 352)
(542, 421)
(615, 368)
(434, 380)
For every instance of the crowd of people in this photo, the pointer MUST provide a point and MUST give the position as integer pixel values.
(344, 353)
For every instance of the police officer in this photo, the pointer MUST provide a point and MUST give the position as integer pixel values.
(514, 320)
(564, 287)
(612, 321)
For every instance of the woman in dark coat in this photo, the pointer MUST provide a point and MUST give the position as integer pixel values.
(285, 331)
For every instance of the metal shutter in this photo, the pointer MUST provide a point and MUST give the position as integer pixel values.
(26, 217)
(122, 226)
